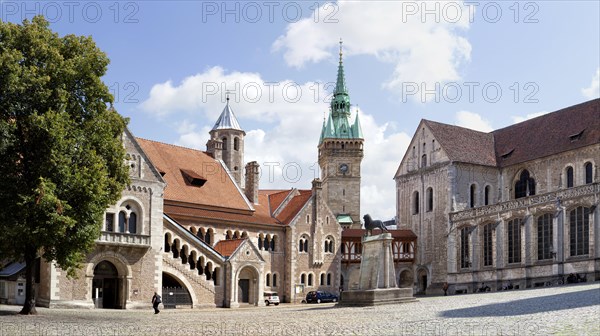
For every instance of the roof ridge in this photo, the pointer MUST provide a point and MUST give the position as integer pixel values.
(172, 145)
(457, 126)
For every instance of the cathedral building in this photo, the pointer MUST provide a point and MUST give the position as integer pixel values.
(514, 207)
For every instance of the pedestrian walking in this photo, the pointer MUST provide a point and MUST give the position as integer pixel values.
(445, 288)
(156, 300)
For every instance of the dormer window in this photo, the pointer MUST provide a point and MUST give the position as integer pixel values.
(507, 154)
(576, 136)
(192, 178)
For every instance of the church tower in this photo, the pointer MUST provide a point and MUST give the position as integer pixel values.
(340, 156)
(227, 142)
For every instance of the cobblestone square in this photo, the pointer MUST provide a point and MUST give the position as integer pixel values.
(564, 310)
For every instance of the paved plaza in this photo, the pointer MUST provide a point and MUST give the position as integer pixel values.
(564, 310)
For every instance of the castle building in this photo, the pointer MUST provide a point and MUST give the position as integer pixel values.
(517, 206)
(195, 227)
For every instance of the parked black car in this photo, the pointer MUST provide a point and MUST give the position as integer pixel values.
(319, 296)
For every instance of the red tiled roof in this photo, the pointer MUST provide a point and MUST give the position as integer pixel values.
(463, 144)
(219, 189)
(180, 212)
(276, 197)
(549, 134)
(227, 247)
(357, 233)
(294, 206)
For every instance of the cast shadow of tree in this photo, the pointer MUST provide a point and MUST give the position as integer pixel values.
(541, 304)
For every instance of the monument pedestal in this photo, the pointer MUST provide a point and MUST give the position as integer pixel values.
(377, 284)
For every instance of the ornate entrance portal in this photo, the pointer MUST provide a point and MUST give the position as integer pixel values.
(105, 286)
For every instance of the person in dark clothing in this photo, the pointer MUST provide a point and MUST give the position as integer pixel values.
(445, 288)
(156, 300)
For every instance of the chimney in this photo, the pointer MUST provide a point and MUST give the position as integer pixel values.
(317, 187)
(214, 147)
(252, 177)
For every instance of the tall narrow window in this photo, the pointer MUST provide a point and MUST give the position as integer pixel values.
(322, 282)
(464, 248)
(544, 238)
(430, 199)
(472, 195)
(122, 221)
(415, 202)
(525, 186)
(328, 279)
(109, 222)
(272, 243)
(588, 173)
(260, 242)
(208, 237)
(224, 143)
(132, 223)
(268, 280)
(275, 280)
(236, 143)
(514, 241)
(424, 161)
(569, 177)
(310, 279)
(303, 278)
(579, 231)
(487, 245)
(486, 195)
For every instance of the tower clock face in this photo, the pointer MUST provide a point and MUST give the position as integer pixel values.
(343, 168)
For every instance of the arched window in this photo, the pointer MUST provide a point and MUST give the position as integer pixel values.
(224, 139)
(303, 279)
(486, 195)
(307, 218)
(274, 279)
(415, 202)
(424, 161)
(272, 243)
(132, 223)
(260, 242)
(122, 221)
(208, 237)
(303, 244)
(472, 196)
(268, 280)
(109, 222)
(525, 186)
(514, 241)
(328, 279)
(487, 245)
(579, 231)
(464, 248)
(569, 174)
(236, 143)
(588, 173)
(544, 237)
(310, 279)
(322, 282)
(429, 195)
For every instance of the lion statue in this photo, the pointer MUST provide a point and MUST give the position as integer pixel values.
(371, 224)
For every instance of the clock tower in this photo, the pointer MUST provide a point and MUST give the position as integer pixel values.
(340, 155)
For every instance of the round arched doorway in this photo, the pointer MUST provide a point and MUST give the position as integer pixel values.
(247, 289)
(422, 281)
(106, 286)
(174, 293)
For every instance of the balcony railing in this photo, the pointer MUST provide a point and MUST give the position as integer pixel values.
(119, 238)
(562, 195)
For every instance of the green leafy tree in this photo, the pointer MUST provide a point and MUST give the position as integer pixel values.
(62, 158)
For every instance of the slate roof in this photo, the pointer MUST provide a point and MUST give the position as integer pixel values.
(227, 119)
(567, 129)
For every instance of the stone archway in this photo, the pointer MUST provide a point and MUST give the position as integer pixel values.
(422, 281)
(247, 289)
(405, 279)
(106, 286)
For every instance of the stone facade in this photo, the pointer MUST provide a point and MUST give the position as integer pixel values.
(484, 214)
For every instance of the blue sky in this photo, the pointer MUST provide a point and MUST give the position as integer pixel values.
(404, 61)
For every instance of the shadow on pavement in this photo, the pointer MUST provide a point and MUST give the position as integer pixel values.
(541, 304)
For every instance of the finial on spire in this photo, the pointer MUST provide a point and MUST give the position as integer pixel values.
(227, 97)
(341, 50)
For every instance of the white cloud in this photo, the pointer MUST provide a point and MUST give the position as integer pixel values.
(593, 91)
(285, 143)
(518, 119)
(473, 121)
(420, 49)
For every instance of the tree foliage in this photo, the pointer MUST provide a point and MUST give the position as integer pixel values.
(60, 143)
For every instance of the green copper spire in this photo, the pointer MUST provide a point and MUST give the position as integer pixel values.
(340, 104)
(338, 124)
